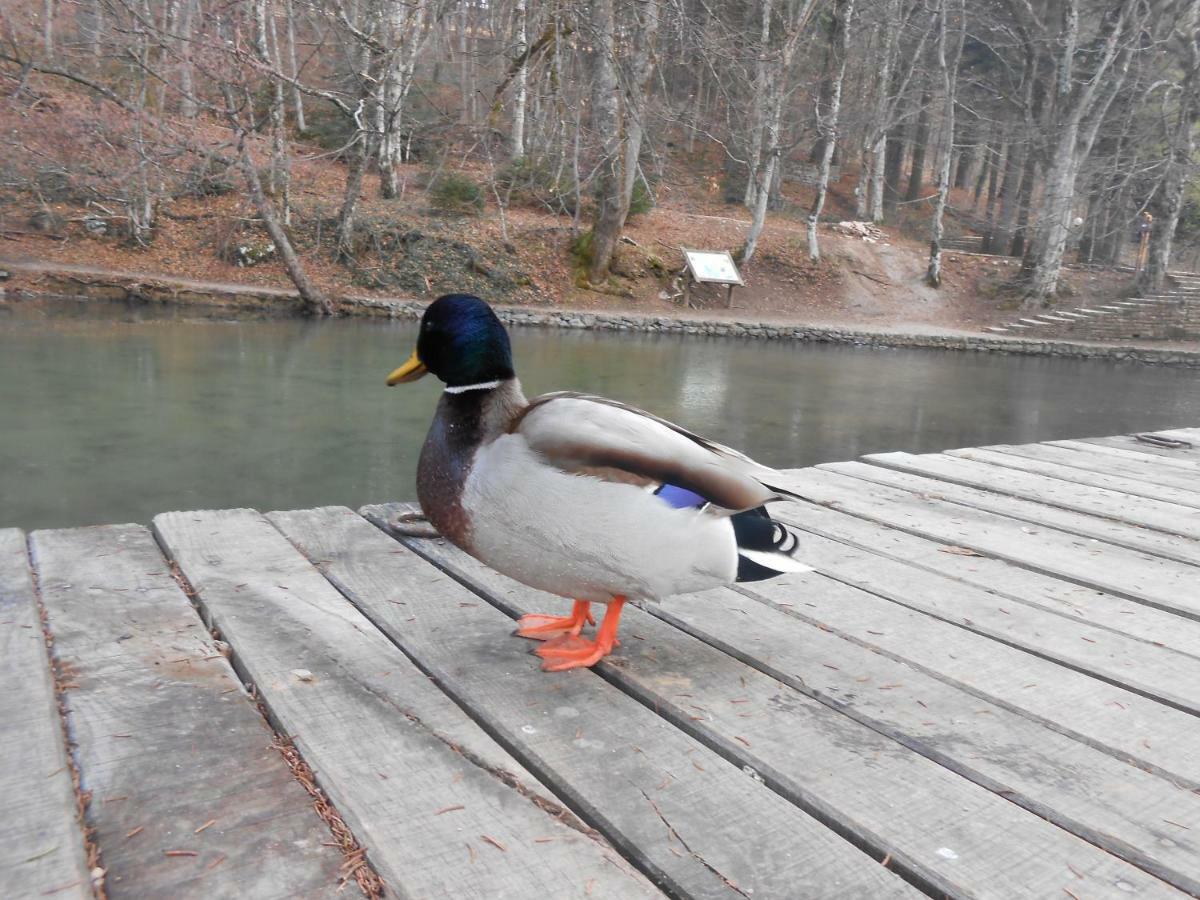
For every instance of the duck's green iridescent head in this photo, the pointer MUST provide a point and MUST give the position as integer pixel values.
(461, 342)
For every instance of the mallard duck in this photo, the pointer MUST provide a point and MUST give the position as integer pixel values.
(577, 495)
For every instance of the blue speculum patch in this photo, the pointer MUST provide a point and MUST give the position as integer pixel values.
(680, 498)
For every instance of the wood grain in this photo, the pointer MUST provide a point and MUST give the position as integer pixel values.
(1108, 465)
(442, 810)
(1152, 526)
(167, 739)
(701, 825)
(1134, 487)
(1002, 579)
(849, 775)
(1087, 791)
(41, 842)
(1165, 584)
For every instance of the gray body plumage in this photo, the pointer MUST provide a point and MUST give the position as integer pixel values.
(557, 493)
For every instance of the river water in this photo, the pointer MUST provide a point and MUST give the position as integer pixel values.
(117, 418)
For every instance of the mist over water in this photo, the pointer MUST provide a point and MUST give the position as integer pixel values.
(111, 419)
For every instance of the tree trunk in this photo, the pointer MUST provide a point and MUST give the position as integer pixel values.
(999, 236)
(606, 227)
(350, 194)
(933, 274)
(869, 191)
(297, 96)
(187, 89)
(406, 33)
(798, 12)
(762, 88)
(1024, 205)
(521, 80)
(916, 176)
(1180, 155)
(827, 120)
(1079, 109)
(893, 165)
(962, 172)
(641, 70)
(316, 304)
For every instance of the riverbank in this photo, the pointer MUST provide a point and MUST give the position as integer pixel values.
(31, 281)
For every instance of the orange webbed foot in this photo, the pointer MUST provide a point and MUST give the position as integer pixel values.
(543, 628)
(573, 652)
(570, 652)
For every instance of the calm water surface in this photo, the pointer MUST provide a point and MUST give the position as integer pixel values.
(113, 419)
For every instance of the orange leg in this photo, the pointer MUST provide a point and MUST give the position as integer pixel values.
(573, 652)
(542, 628)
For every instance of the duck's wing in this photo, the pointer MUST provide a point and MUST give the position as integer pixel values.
(598, 436)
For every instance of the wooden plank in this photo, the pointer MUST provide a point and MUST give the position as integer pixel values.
(824, 760)
(1188, 435)
(1121, 451)
(166, 739)
(699, 823)
(41, 842)
(1108, 465)
(1115, 518)
(1101, 715)
(441, 809)
(1003, 580)
(1113, 804)
(1131, 486)
(1163, 583)
(1133, 445)
(1127, 662)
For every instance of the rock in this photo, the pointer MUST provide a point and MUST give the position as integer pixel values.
(5, 275)
(95, 225)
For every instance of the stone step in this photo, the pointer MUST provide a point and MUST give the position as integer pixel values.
(994, 329)
(1052, 318)
(1032, 321)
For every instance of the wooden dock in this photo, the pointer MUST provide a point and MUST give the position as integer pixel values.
(989, 687)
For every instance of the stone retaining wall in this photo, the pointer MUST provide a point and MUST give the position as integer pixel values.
(264, 301)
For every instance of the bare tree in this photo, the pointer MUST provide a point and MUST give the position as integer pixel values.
(1181, 149)
(827, 119)
(949, 73)
(797, 13)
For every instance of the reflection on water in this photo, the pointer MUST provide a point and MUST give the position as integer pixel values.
(107, 420)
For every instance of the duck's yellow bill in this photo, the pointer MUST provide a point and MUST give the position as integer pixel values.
(412, 369)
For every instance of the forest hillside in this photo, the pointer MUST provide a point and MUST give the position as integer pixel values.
(544, 152)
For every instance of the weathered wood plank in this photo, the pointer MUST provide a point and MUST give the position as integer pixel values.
(826, 761)
(1102, 715)
(441, 809)
(1113, 804)
(41, 841)
(1167, 584)
(1108, 465)
(1132, 486)
(1002, 579)
(1188, 435)
(1121, 451)
(1133, 445)
(1162, 529)
(166, 739)
(704, 827)
(1130, 663)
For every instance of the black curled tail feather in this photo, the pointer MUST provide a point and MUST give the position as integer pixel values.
(765, 547)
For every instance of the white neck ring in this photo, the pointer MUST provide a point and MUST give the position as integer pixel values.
(482, 386)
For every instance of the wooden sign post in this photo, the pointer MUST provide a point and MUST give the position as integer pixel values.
(710, 267)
